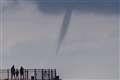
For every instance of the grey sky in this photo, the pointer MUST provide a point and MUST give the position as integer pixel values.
(89, 50)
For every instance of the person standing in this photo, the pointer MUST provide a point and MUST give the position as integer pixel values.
(21, 73)
(12, 72)
(17, 74)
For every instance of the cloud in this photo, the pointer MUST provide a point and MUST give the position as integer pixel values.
(58, 6)
(8, 3)
(100, 6)
(95, 6)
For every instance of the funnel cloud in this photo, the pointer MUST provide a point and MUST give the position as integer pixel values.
(64, 27)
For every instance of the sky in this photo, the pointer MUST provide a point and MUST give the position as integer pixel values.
(30, 33)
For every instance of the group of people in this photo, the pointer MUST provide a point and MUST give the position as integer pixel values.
(15, 73)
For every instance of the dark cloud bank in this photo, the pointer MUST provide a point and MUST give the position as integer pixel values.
(98, 6)
(57, 6)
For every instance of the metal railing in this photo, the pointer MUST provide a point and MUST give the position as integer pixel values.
(30, 74)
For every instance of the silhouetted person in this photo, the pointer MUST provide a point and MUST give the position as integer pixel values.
(12, 72)
(17, 74)
(21, 73)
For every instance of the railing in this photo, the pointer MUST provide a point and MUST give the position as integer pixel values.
(30, 74)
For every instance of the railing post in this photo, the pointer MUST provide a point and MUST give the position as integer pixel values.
(35, 73)
(8, 74)
(24, 74)
(27, 74)
(51, 74)
(42, 74)
(55, 73)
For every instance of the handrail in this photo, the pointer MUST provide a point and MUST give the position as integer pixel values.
(29, 74)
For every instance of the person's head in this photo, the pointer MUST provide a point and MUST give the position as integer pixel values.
(21, 68)
(12, 66)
